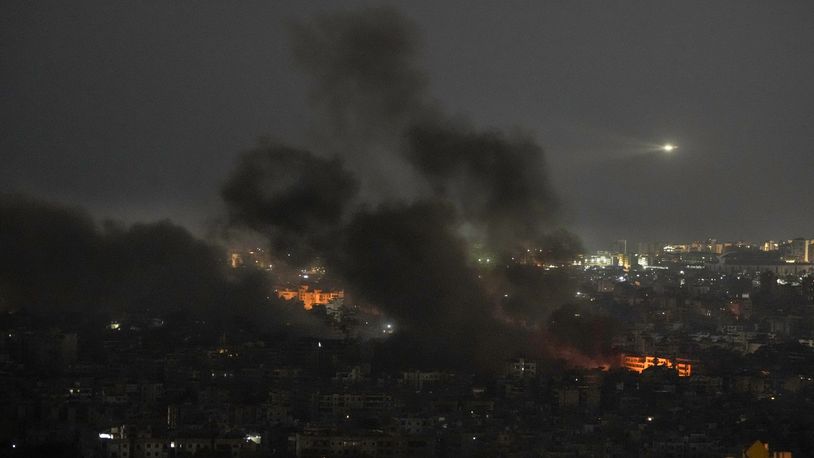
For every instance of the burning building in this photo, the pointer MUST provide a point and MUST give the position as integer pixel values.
(638, 364)
(310, 297)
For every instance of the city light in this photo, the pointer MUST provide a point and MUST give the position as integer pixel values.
(643, 316)
(254, 438)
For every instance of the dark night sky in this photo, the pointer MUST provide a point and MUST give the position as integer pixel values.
(137, 110)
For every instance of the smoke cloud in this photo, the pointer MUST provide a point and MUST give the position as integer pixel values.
(498, 183)
(296, 198)
(408, 260)
(374, 108)
(432, 190)
(364, 73)
(57, 260)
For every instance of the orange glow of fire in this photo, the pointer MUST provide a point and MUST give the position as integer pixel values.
(638, 364)
(310, 297)
(578, 359)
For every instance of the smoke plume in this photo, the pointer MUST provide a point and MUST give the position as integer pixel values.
(296, 198)
(400, 195)
(56, 260)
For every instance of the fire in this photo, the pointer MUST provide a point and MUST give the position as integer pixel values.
(310, 297)
(549, 347)
(576, 358)
(640, 363)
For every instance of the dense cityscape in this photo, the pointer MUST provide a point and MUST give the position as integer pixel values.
(458, 228)
(699, 349)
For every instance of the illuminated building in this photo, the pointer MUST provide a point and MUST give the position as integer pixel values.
(761, 450)
(235, 260)
(722, 247)
(638, 364)
(310, 297)
(119, 442)
(800, 250)
(675, 248)
(621, 260)
(520, 367)
(770, 245)
(757, 261)
(600, 259)
(650, 249)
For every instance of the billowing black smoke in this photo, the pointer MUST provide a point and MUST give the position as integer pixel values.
(430, 189)
(56, 260)
(409, 260)
(499, 183)
(296, 198)
(365, 79)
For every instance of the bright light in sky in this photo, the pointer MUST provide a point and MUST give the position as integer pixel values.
(668, 147)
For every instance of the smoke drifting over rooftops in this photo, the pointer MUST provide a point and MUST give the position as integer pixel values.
(373, 109)
(292, 196)
(398, 193)
(57, 261)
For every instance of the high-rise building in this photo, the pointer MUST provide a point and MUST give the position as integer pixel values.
(650, 249)
(769, 245)
(800, 250)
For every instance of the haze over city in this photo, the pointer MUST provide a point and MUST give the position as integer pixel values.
(534, 229)
(136, 111)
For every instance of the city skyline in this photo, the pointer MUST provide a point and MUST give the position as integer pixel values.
(428, 229)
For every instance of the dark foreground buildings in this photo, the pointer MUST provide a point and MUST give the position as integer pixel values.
(701, 362)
